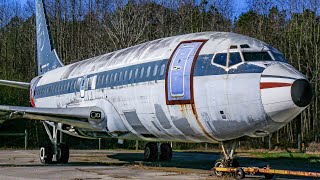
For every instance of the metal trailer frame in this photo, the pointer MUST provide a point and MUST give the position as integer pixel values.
(240, 172)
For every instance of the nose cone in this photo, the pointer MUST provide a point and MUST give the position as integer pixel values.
(285, 93)
(301, 92)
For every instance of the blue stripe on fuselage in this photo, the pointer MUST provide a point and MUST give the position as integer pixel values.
(203, 67)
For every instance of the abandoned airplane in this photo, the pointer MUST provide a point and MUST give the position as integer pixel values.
(204, 87)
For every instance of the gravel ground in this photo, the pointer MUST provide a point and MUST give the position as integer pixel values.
(123, 164)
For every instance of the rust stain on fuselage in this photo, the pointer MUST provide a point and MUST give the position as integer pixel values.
(200, 124)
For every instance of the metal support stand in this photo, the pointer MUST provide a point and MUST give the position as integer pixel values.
(159, 150)
(53, 136)
(25, 139)
(228, 149)
(56, 150)
(61, 137)
(270, 142)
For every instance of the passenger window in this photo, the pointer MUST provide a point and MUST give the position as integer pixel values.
(235, 58)
(102, 80)
(120, 76)
(130, 74)
(107, 78)
(111, 77)
(148, 71)
(125, 75)
(115, 77)
(220, 58)
(141, 73)
(136, 73)
(155, 70)
(162, 69)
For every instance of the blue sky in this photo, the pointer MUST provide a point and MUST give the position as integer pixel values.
(240, 7)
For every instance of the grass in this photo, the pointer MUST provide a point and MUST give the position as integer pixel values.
(279, 155)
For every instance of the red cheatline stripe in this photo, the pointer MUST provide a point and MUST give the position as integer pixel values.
(267, 85)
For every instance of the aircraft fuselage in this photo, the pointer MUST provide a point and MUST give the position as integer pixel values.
(203, 87)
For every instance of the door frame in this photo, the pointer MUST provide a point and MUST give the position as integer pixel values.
(82, 87)
(191, 101)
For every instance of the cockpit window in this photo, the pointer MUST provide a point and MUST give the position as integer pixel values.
(220, 58)
(256, 56)
(235, 58)
(279, 57)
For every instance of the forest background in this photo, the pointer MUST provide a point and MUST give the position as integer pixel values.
(85, 28)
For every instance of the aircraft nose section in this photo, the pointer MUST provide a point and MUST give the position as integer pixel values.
(301, 92)
(285, 92)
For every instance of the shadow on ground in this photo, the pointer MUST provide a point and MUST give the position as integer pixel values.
(206, 160)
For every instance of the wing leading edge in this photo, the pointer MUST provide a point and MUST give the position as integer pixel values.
(16, 84)
(80, 117)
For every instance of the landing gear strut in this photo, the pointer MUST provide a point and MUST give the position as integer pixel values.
(228, 160)
(157, 151)
(57, 151)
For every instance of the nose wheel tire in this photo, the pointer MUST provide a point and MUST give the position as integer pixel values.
(219, 163)
(151, 152)
(46, 155)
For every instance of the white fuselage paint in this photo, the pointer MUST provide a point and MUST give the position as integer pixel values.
(226, 106)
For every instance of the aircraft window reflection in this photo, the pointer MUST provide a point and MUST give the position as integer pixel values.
(136, 74)
(220, 58)
(115, 77)
(235, 58)
(155, 70)
(162, 69)
(111, 77)
(141, 73)
(125, 75)
(102, 79)
(120, 76)
(107, 78)
(279, 57)
(130, 74)
(75, 86)
(148, 71)
(256, 56)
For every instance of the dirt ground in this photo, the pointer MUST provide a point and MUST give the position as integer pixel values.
(124, 164)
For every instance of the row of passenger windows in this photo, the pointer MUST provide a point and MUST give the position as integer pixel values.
(131, 74)
(128, 75)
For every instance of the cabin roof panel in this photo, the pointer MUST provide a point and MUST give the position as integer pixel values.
(150, 51)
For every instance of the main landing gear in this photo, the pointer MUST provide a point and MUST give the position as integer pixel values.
(228, 160)
(55, 151)
(157, 151)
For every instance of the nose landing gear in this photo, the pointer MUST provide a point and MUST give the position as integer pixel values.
(157, 151)
(228, 160)
(57, 151)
